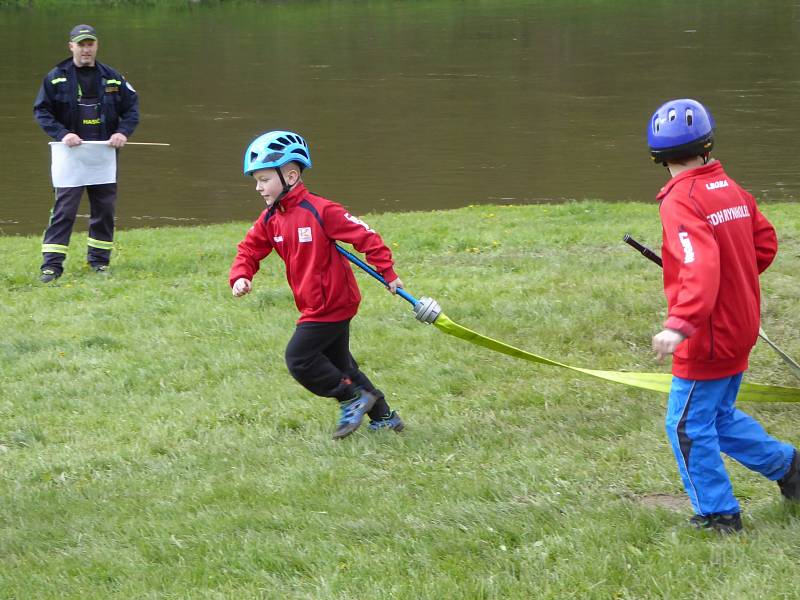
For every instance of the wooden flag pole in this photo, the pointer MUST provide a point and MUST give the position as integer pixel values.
(126, 143)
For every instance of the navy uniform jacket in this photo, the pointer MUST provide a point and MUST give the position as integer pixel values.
(56, 106)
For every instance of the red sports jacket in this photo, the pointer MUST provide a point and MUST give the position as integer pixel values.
(715, 244)
(302, 230)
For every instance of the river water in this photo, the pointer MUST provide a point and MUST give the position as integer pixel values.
(412, 105)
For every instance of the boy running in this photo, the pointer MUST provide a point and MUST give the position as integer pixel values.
(302, 229)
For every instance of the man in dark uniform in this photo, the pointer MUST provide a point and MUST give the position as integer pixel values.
(83, 99)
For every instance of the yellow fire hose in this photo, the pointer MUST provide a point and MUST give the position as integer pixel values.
(428, 310)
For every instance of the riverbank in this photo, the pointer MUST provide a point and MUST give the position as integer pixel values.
(153, 445)
(105, 3)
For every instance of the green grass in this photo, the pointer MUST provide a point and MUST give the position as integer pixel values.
(152, 444)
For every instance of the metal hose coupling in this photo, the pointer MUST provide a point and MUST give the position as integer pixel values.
(427, 309)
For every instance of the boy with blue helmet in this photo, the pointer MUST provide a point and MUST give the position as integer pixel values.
(716, 242)
(302, 229)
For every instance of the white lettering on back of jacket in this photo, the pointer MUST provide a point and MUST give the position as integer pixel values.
(728, 214)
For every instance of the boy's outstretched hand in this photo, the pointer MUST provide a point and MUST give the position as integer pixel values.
(665, 342)
(393, 285)
(241, 287)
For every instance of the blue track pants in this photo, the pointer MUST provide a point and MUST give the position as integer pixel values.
(701, 422)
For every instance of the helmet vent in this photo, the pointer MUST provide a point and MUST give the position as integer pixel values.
(275, 146)
(273, 156)
(672, 115)
(301, 152)
(689, 117)
(284, 141)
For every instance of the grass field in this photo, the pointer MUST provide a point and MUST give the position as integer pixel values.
(152, 444)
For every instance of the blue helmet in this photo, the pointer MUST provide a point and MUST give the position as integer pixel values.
(680, 129)
(274, 149)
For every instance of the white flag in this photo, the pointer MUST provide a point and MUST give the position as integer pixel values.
(90, 163)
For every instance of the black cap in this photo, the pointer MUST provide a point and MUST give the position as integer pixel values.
(82, 32)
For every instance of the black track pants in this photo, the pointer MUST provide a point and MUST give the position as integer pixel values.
(102, 200)
(318, 357)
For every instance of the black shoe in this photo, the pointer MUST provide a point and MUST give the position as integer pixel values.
(718, 522)
(790, 483)
(101, 269)
(49, 275)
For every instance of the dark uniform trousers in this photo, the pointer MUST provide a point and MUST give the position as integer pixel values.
(102, 200)
(318, 357)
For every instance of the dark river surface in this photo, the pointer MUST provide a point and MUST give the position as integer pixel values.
(412, 105)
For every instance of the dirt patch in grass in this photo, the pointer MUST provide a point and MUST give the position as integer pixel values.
(677, 503)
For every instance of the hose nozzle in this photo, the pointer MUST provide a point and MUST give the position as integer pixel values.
(427, 309)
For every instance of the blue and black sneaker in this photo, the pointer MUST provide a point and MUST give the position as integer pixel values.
(722, 523)
(353, 412)
(391, 421)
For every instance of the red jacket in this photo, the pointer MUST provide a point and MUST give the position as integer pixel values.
(715, 244)
(302, 230)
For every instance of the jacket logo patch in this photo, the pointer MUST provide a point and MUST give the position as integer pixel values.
(277, 238)
(688, 251)
(304, 234)
(715, 185)
(357, 221)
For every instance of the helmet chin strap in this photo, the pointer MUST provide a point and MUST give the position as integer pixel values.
(286, 186)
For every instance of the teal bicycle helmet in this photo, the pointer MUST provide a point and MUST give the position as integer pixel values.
(274, 149)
